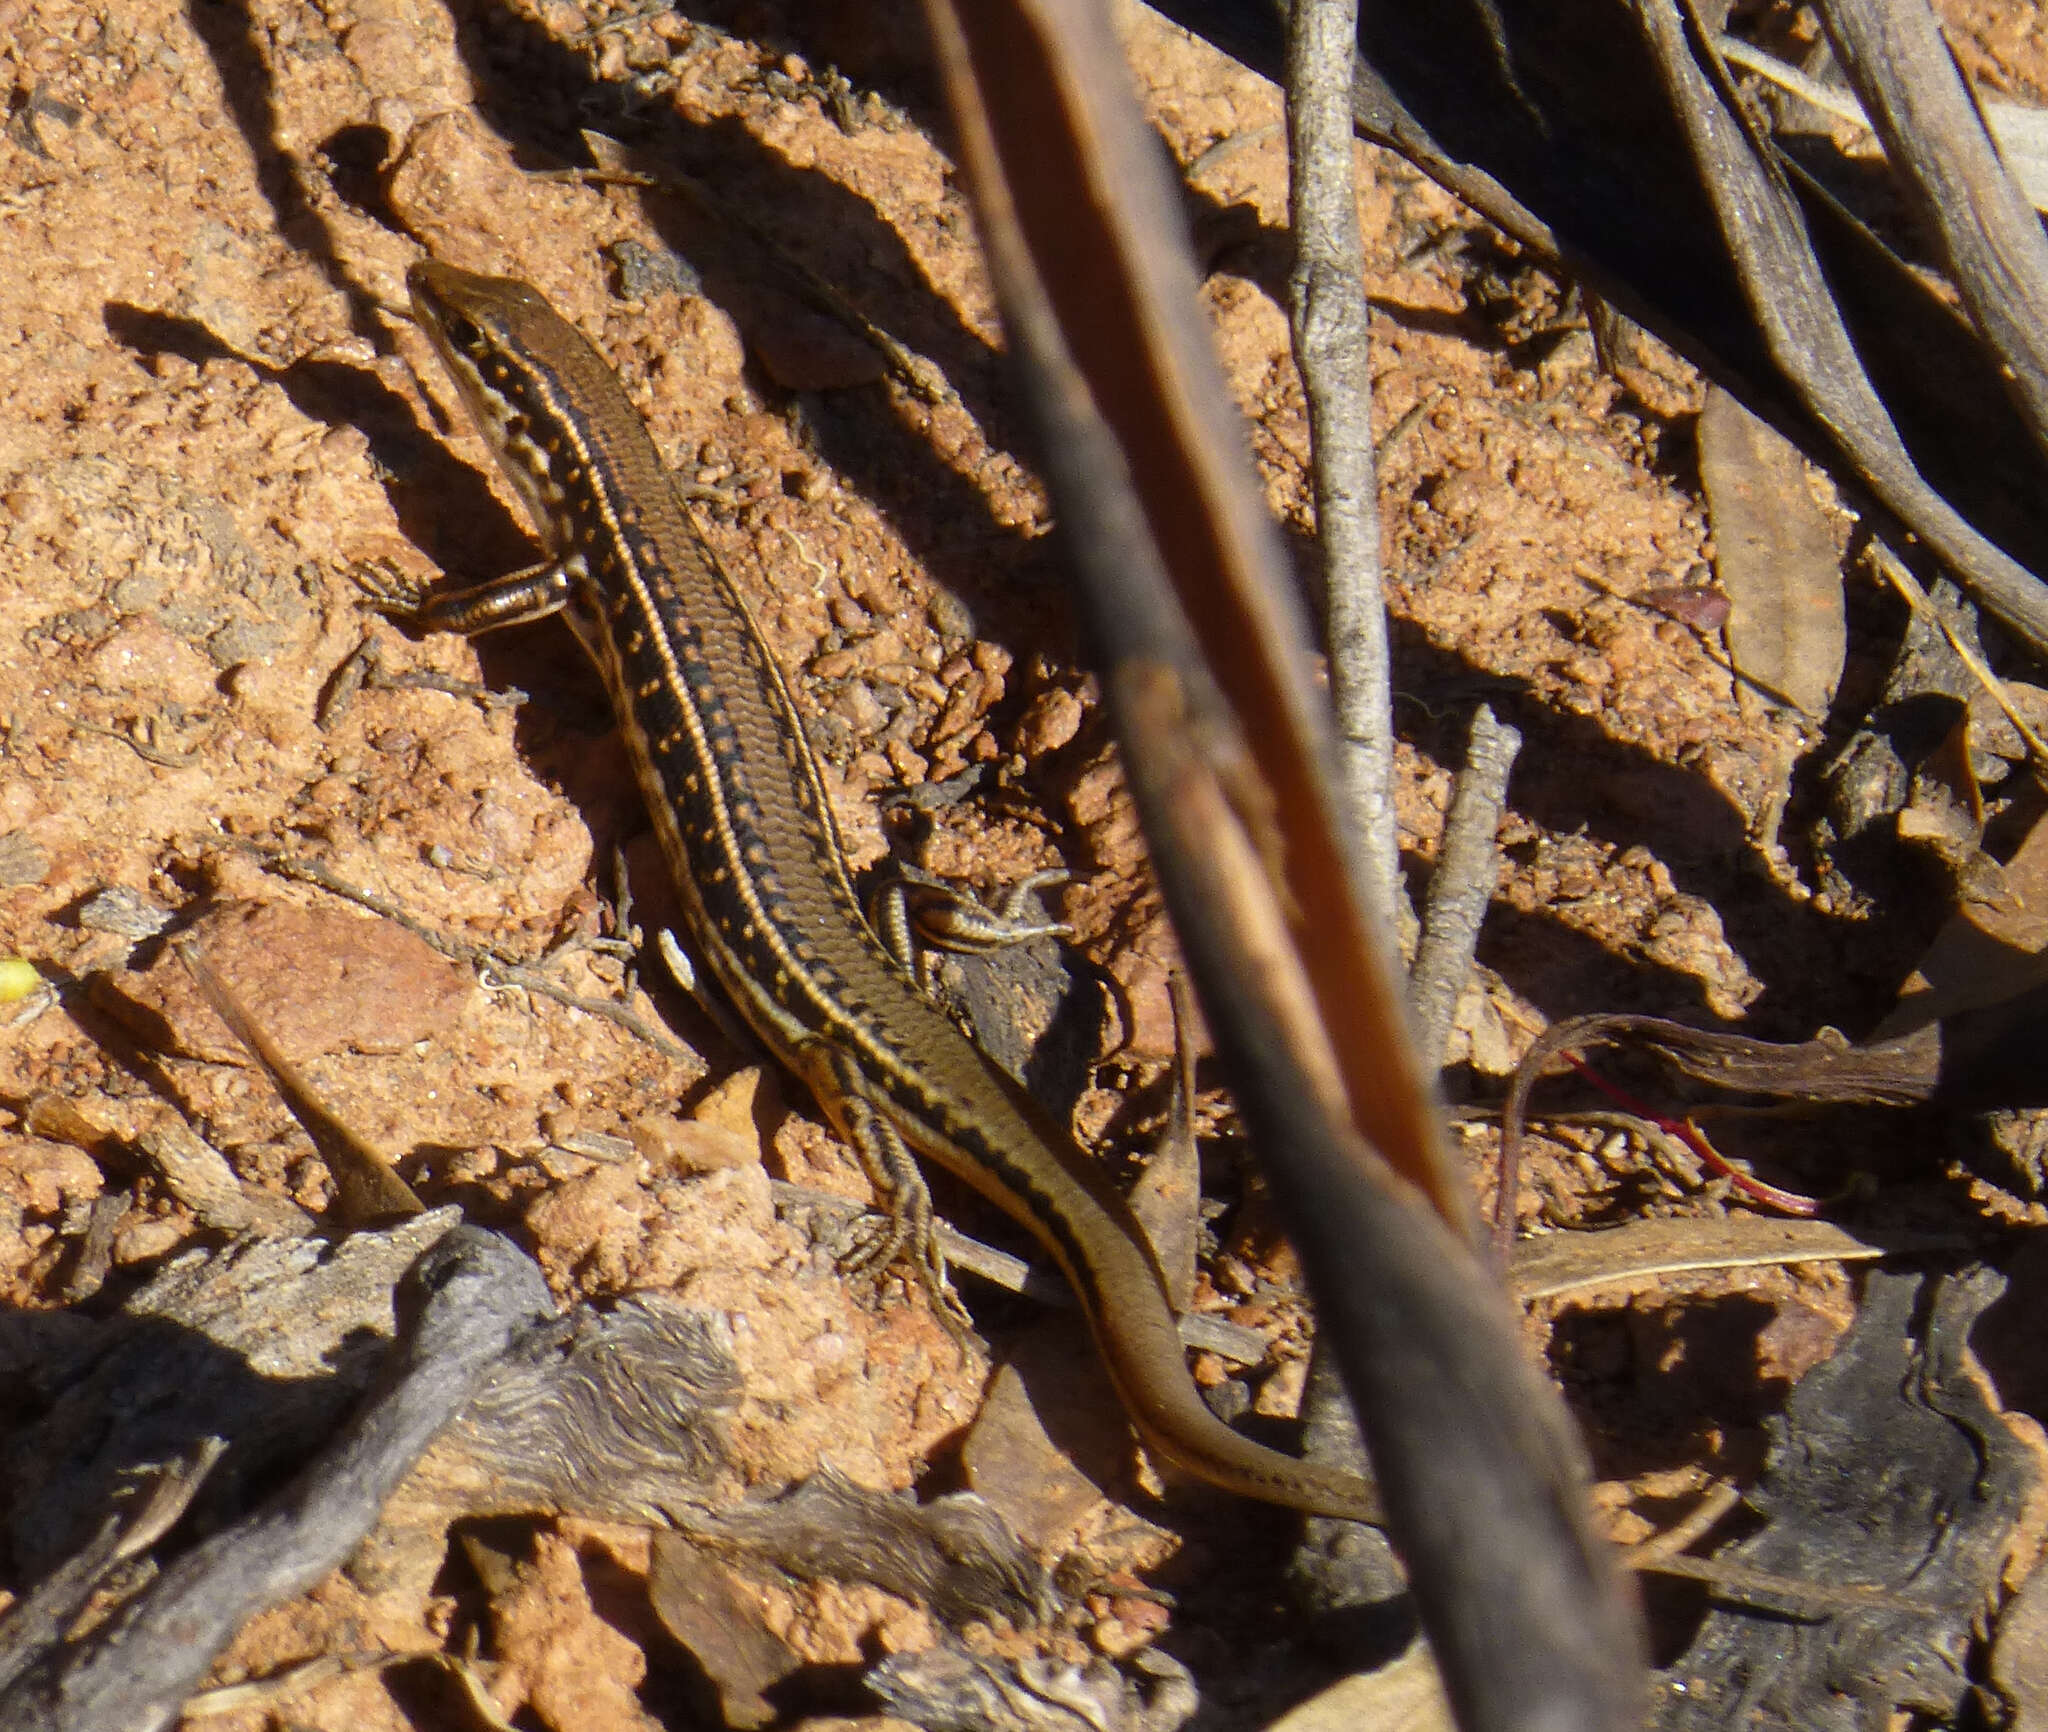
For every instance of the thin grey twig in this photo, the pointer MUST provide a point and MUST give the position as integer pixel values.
(1461, 887)
(1328, 316)
(1330, 322)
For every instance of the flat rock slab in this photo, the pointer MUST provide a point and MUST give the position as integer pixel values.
(318, 980)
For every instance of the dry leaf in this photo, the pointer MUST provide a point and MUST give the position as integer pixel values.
(1775, 558)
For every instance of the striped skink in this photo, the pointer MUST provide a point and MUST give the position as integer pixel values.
(726, 767)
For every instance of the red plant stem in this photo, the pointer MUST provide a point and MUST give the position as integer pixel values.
(1759, 1190)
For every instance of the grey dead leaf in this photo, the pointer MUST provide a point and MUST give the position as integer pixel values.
(1775, 558)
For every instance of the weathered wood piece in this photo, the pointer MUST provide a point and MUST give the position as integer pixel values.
(1892, 1479)
(467, 1302)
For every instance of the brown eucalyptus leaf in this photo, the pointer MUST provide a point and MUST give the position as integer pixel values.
(1775, 558)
